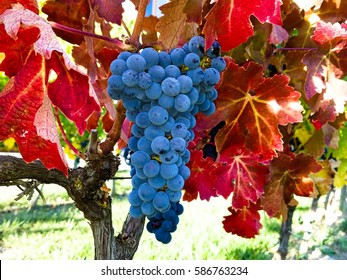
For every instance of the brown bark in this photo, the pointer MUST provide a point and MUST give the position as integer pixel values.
(84, 186)
(286, 231)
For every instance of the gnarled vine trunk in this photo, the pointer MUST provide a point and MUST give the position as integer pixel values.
(84, 186)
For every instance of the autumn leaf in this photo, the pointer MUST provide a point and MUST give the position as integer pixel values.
(28, 4)
(253, 107)
(242, 173)
(172, 24)
(26, 115)
(289, 175)
(68, 13)
(244, 222)
(149, 32)
(229, 21)
(193, 10)
(202, 179)
(327, 64)
(278, 35)
(111, 10)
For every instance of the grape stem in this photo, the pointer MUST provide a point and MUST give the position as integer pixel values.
(114, 134)
(63, 135)
(119, 44)
(135, 37)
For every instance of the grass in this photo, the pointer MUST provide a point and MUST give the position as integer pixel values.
(57, 230)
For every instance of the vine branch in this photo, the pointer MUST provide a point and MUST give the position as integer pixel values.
(135, 37)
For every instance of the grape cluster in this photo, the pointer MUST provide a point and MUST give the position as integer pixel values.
(162, 92)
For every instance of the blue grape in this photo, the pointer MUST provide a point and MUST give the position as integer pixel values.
(151, 57)
(118, 66)
(204, 106)
(174, 196)
(183, 120)
(134, 198)
(136, 211)
(168, 171)
(158, 115)
(151, 168)
(142, 120)
(214, 50)
(179, 130)
(146, 192)
(211, 76)
(143, 144)
(166, 127)
(169, 157)
(182, 103)
(210, 110)
(163, 236)
(218, 63)
(132, 143)
(130, 78)
(197, 45)
(147, 208)
(157, 73)
(124, 55)
(153, 131)
(171, 86)
(136, 182)
(176, 184)
(160, 145)
(186, 83)
(167, 102)
(157, 182)
(197, 76)
(145, 80)
(172, 71)
(192, 61)
(178, 144)
(116, 82)
(154, 91)
(177, 56)
(139, 159)
(161, 202)
(164, 59)
(136, 63)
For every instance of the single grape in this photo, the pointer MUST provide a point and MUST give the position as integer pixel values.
(182, 103)
(151, 168)
(192, 61)
(167, 102)
(160, 145)
(139, 159)
(118, 66)
(164, 59)
(218, 63)
(130, 78)
(177, 56)
(172, 71)
(134, 198)
(116, 82)
(151, 57)
(157, 182)
(211, 76)
(147, 208)
(145, 80)
(178, 144)
(154, 91)
(197, 45)
(157, 73)
(158, 115)
(142, 120)
(136, 63)
(146, 192)
(161, 201)
(171, 86)
(136, 212)
(153, 131)
(168, 171)
(186, 83)
(169, 157)
(176, 184)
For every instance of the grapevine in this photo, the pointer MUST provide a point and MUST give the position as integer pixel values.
(162, 92)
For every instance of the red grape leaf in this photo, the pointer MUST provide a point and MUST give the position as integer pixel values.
(253, 107)
(111, 10)
(202, 177)
(28, 4)
(328, 62)
(278, 35)
(25, 115)
(229, 21)
(16, 51)
(289, 175)
(171, 24)
(73, 86)
(243, 174)
(69, 13)
(244, 222)
(70, 84)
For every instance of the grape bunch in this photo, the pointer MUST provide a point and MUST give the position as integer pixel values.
(162, 92)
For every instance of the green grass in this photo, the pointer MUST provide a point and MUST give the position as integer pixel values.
(57, 230)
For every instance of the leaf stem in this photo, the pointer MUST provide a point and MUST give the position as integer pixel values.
(134, 39)
(295, 49)
(119, 44)
(63, 135)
